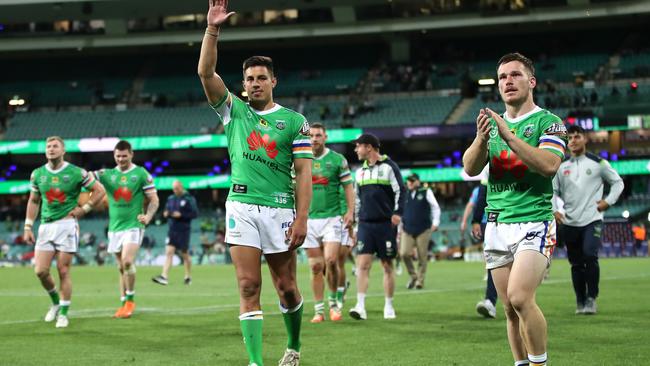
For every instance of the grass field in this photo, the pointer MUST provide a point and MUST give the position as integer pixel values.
(198, 325)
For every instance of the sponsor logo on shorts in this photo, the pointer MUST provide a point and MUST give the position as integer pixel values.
(529, 243)
(286, 225)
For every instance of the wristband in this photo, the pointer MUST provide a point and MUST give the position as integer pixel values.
(29, 222)
(87, 207)
(215, 34)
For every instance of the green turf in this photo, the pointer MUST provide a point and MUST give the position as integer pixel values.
(198, 325)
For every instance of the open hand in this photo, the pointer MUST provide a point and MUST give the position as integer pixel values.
(218, 12)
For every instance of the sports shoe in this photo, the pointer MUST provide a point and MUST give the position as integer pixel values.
(160, 280)
(486, 308)
(358, 313)
(127, 310)
(580, 309)
(188, 281)
(590, 306)
(399, 270)
(318, 318)
(118, 313)
(62, 321)
(389, 312)
(290, 358)
(335, 315)
(410, 284)
(52, 313)
(419, 285)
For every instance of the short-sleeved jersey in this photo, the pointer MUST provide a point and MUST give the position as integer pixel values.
(125, 191)
(329, 172)
(262, 146)
(515, 192)
(59, 189)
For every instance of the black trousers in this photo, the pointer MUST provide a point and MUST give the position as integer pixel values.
(582, 245)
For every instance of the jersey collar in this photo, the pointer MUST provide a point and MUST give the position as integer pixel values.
(325, 152)
(276, 107)
(381, 160)
(522, 117)
(133, 166)
(63, 166)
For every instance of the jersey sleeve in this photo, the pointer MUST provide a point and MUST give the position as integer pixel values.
(345, 177)
(225, 110)
(148, 185)
(33, 184)
(553, 137)
(87, 179)
(301, 147)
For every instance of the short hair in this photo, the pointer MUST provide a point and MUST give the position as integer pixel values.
(575, 129)
(55, 138)
(318, 125)
(516, 56)
(258, 61)
(123, 145)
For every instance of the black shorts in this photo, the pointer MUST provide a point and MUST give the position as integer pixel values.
(179, 240)
(377, 238)
(582, 241)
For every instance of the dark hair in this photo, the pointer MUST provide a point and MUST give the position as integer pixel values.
(258, 61)
(575, 129)
(318, 125)
(123, 145)
(516, 56)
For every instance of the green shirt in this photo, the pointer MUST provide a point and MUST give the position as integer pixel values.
(125, 192)
(262, 146)
(330, 172)
(59, 188)
(515, 192)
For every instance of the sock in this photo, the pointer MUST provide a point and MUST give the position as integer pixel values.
(251, 329)
(122, 300)
(389, 302)
(521, 363)
(361, 299)
(130, 296)
(292, 321)
(340, 291)
(537, 360)
(319, 307)
(331, 299)
(54, 296)
(64, 306)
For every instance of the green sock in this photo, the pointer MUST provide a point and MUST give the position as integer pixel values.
(54, 295)
(292, 321)
(130, 295)
(339, 294)
(331, 299)
(64, 306)
(319, 307)
(122, 300)
(251, 329)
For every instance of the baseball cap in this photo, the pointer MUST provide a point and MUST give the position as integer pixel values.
(413, 177)
(368, 138)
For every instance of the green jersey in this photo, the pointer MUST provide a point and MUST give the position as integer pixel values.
(125, 191)
(515, 192)
(329, 172)
(262, 146)
(59, 188)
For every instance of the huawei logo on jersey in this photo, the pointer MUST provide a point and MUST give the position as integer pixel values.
(319, 180)
(122, 193)
(257, 141)
(504, 163)
(55, 194)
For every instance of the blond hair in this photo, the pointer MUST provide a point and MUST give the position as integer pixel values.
(55, 138)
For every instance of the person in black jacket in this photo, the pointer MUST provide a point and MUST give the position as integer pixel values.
(180, 210)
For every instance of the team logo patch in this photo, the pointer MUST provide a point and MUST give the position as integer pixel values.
(263, 124)
(304, 130)
(588, 171)
(280, 125)
(66, 179)
(528, 131)
(316, 165)
(134, 179)
(43, 179)
(231, 222)
(113, 178)
(55, 180)
(328, 165)
(123, 179)
(566, 172)
(419, 197)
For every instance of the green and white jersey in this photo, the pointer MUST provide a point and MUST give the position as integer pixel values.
(59, 189)
(515, 192)
(329, 172)
(262, 146)
(125, 191)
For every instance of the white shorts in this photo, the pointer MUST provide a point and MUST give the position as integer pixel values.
(504, 241)
(117, 239)
(261, 227)
(323, 230)
(345, 238)
(61, 236)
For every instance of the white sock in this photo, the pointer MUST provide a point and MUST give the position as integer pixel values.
(389, 302)
(361, 299)
(521, 363)
(537, 359)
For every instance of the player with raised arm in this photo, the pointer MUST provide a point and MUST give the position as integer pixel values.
(524, 148)
(264, 216)
(60, 183)
(128, 186)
